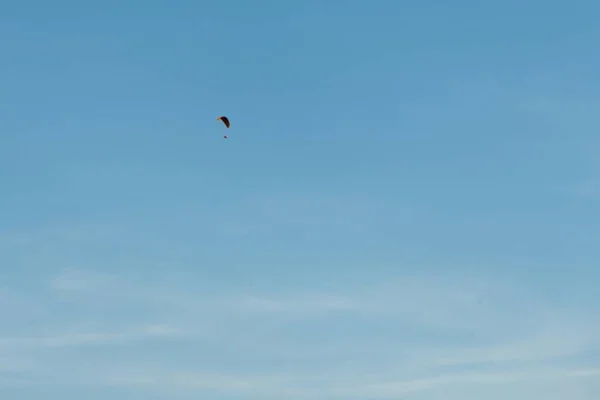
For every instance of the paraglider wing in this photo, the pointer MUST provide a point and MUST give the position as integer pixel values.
(225, 120)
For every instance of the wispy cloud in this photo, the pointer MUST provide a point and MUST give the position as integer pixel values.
(79, 281)
(470, 385)
(394, 389)
(91, 338)
(359, 340)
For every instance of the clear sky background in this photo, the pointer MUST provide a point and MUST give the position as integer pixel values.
(408, 205)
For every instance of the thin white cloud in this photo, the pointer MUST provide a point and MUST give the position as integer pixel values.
(319, 385)
(541, 347)
(71, 279)
(361, 340)
(394, 389)
(91, 338)
(445, 304)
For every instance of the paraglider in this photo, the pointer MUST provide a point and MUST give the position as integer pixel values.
(225, 121)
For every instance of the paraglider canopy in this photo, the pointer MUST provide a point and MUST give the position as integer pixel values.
(225, 120)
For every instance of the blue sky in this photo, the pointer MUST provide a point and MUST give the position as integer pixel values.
(407, 205)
